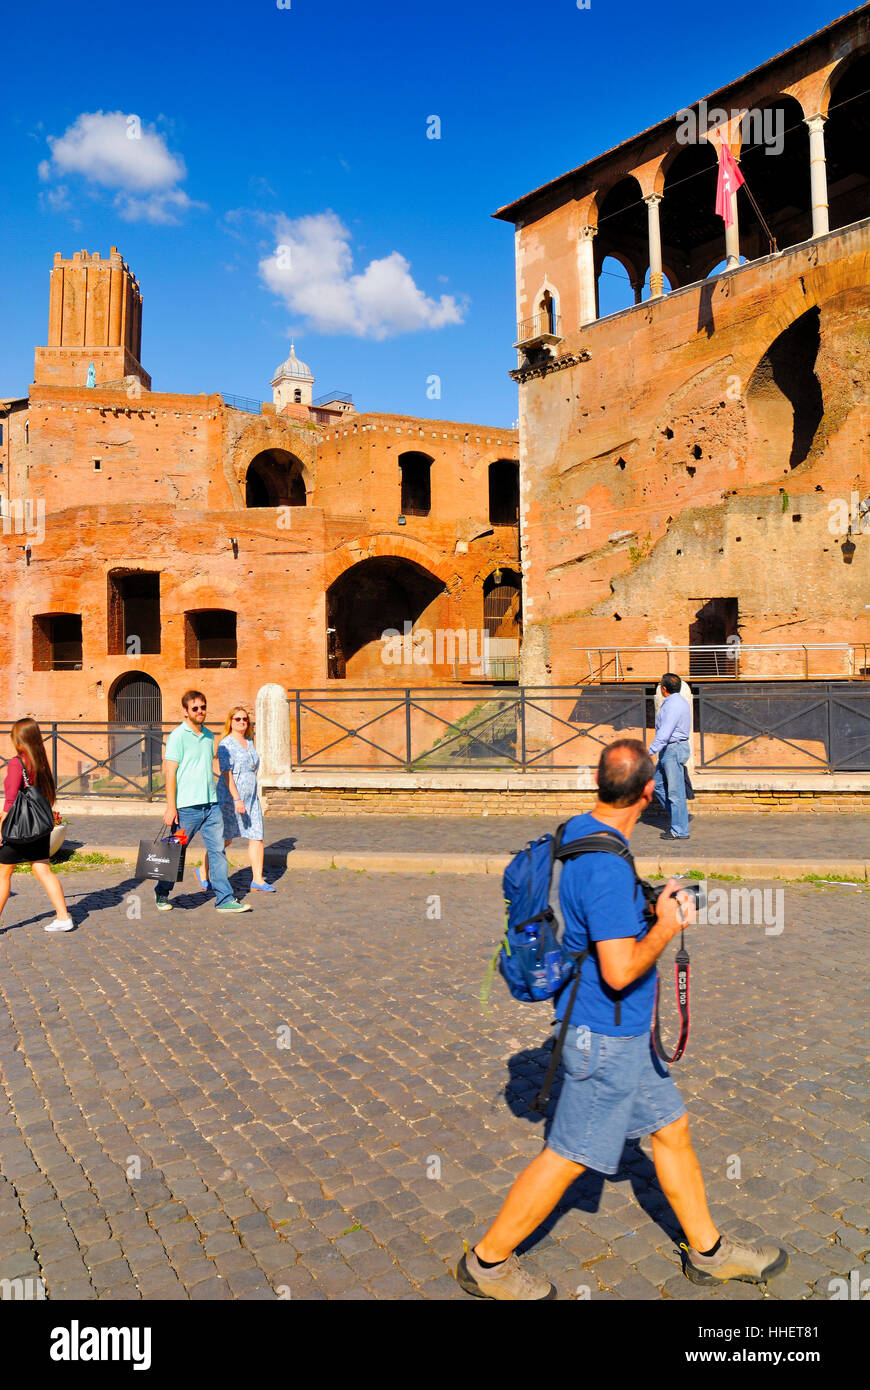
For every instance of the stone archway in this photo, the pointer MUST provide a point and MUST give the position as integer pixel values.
(377, 595)
(274, 478)
(135, 744)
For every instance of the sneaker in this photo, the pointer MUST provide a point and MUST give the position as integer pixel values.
(752, 1264)
(163, 905)
(234, 906)
(508, 1281)
(669, 835)
(60, 924)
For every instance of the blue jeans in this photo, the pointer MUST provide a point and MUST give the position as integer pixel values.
(209, 821)
(672, 761)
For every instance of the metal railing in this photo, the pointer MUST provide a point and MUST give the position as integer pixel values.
(344, 396)
(540, 325)
(248, 403)
(732, 661)
(94, 758)
(739, 727)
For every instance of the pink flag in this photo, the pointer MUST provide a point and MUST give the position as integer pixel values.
(728, 182)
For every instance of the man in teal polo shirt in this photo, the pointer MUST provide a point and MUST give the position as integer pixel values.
(191, 799)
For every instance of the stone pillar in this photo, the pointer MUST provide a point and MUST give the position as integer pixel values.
(272, 732)
(586, 273)
(732, 238)
(136, 347)
(637, 288)
(818, 174)
(656, 275)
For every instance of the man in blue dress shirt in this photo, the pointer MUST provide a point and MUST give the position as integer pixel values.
(671, 744)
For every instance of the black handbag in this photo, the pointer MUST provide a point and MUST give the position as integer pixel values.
(31, 815)
(161, 858)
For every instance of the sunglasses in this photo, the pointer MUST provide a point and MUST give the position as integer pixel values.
(196, 709)
(240, 719)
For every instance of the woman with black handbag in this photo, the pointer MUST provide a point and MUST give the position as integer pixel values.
(28, 819)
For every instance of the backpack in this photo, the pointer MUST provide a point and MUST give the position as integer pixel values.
(532, 958)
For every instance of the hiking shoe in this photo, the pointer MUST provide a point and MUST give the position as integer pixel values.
(752, 1264)
(234, 906)
(163, 905)
(60, 924)
(506, 1281)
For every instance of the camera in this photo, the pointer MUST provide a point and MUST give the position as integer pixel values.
(695, 891)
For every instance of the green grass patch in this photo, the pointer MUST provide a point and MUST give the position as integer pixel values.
(76, 863)
(825, 879)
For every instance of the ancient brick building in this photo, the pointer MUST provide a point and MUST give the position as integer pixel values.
(154, 540)
(694, 465)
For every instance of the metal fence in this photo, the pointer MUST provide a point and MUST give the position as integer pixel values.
(91, 758)
(739, 727)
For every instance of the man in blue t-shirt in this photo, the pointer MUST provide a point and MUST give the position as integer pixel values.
(615, 1087)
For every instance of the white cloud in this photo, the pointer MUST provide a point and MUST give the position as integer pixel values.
(122, 154)
(311, 269)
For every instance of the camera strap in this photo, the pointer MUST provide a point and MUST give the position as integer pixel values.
(681, 978)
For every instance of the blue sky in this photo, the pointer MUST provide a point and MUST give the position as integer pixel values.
(306, 128)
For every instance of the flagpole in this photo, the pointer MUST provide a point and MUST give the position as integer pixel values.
(770, 237)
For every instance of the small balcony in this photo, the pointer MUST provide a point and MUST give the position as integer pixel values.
(541, 330)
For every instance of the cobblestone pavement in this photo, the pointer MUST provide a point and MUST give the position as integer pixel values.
(757, 836)
(308, 1100)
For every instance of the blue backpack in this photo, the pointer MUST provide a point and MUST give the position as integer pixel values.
(531, 957)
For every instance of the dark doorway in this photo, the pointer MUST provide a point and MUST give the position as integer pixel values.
(133, 612)
(504, 493)
(714, 623)
(416, 497)
(135, 732)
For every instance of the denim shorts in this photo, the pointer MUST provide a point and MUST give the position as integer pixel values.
(613, 1089)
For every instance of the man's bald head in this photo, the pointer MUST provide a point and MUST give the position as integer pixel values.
(624, 769)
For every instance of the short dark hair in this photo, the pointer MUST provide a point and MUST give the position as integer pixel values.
(671, 682)
(624, 769)
(192, 695)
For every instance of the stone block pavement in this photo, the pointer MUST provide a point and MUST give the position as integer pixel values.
(793, 836)
(308, 1102)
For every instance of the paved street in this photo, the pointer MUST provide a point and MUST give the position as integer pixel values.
(308, 1102)
(760, 836)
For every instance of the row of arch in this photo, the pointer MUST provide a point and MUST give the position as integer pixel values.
(661, 225)
(275, 478)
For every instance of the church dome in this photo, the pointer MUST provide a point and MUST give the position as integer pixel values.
(299, 371)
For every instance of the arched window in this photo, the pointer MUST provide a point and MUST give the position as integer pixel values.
(775, 162)
(135, 699)
(372, 597)
(416, 498)
(847, 142)
(297, 396)
(547, 313)
(274, 479)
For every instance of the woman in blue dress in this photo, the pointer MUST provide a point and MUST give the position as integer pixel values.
(238, 761)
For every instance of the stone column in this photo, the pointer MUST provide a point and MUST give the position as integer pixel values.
(586, 272)
(656, 275)
(637, 288)
(272, 732)
(732, 238)
(818, 174)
